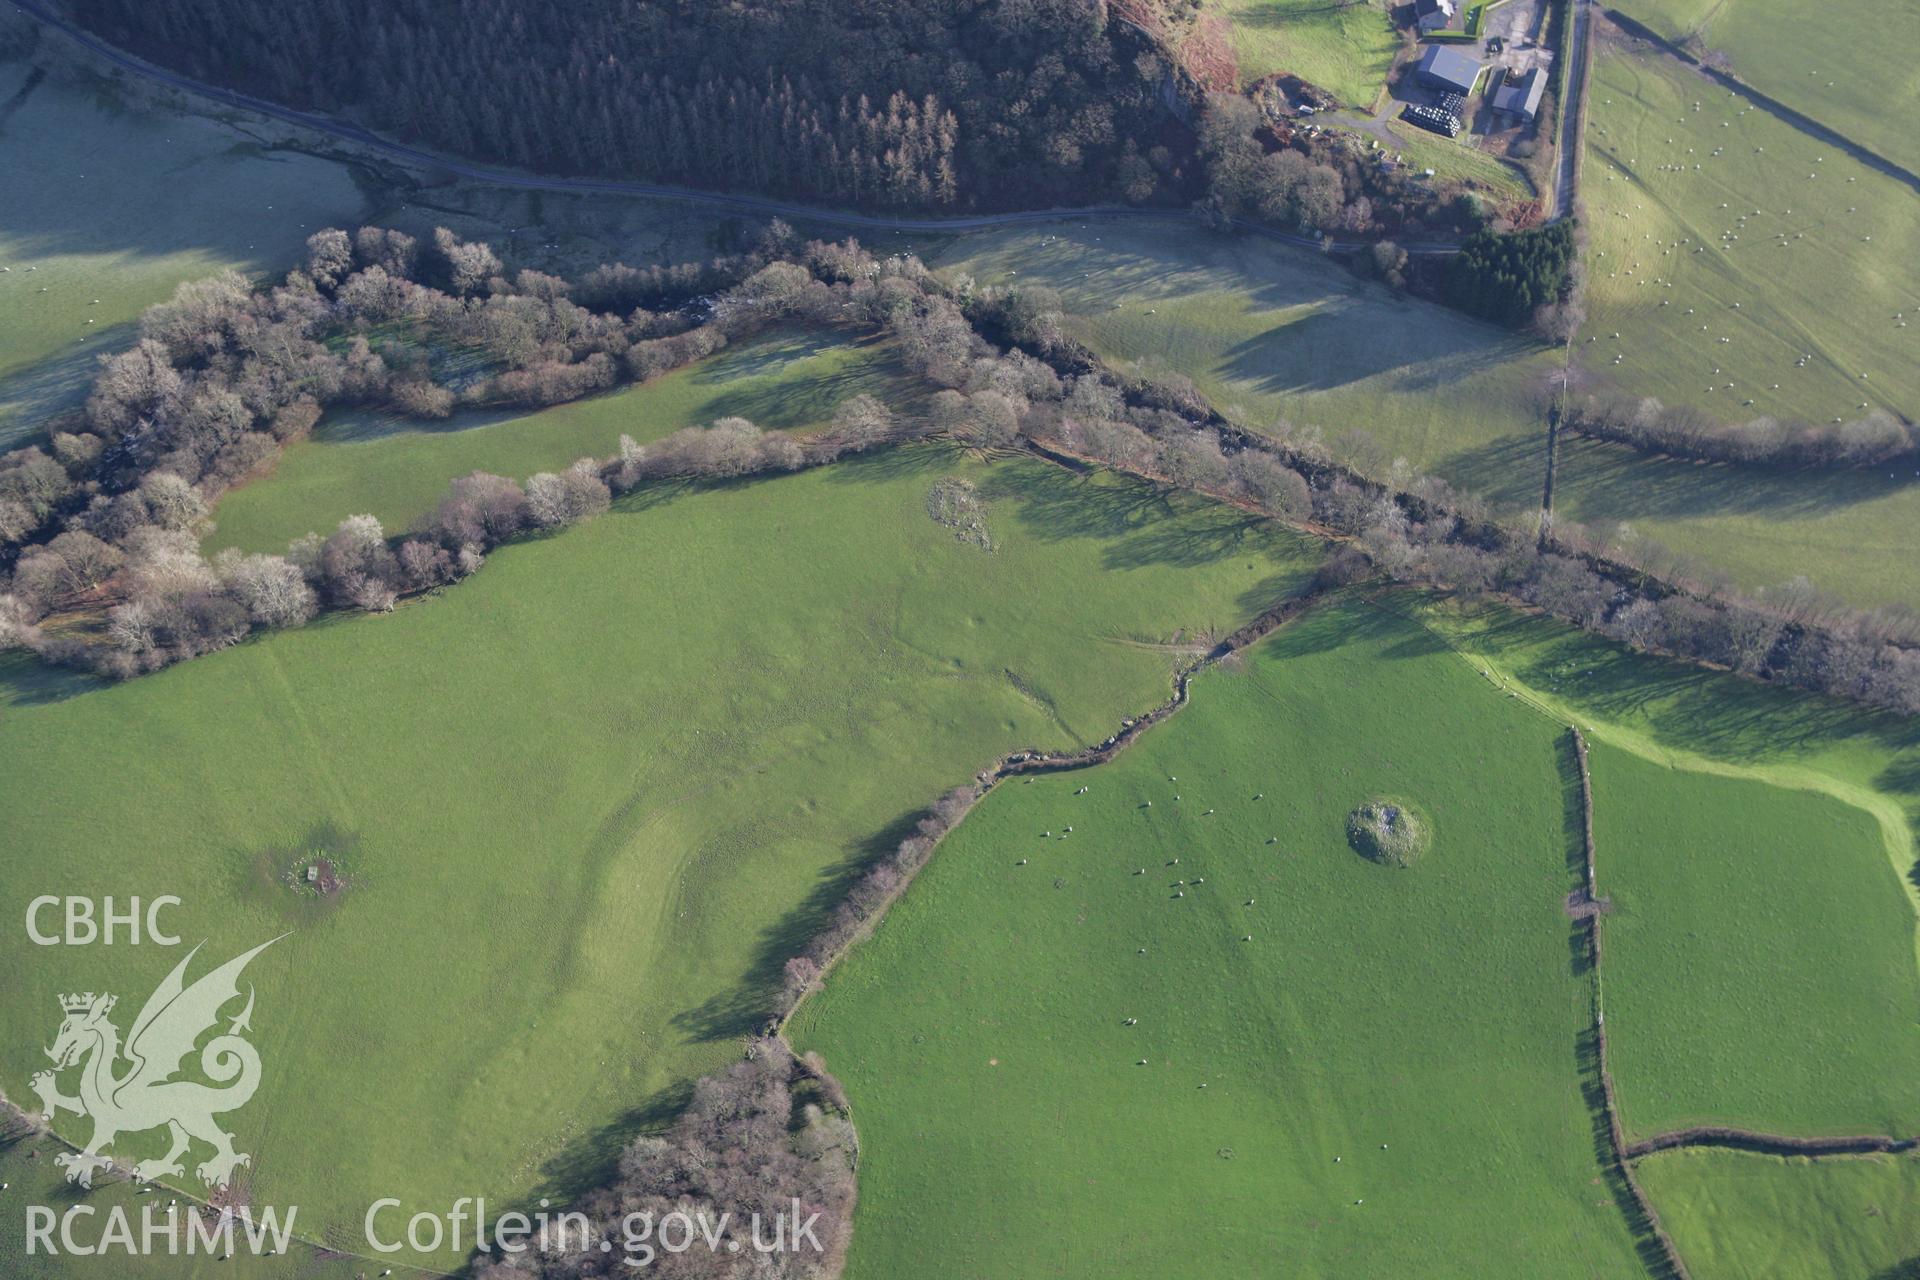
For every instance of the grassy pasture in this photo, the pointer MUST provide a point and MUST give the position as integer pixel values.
(1316, 1093)
(1822, 269)
(1737, 1216)
(1844, 64)
(1689, 718)
(587, 802)
(1269, 331)
(1853, 533)
(1830, 294)
(397, 469)
(119, 204)
(1346, 49)
(1458, 159)
(1760, 960)
(33, 1179)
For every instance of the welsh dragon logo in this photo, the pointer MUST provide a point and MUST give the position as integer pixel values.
(144, 1094)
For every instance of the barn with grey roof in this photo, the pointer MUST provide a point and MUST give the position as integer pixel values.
(1448, 70)
(1521, 97)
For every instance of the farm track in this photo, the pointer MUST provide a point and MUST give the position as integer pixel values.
(415, 156)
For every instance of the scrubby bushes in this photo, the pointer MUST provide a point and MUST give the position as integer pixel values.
(1266, 172)
(768, 1135)
(223, 376)
(873, 892)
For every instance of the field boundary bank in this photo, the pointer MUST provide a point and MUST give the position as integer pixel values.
(1772, 106)
(1610, 1105)
(359, 136)
(1770, 1144)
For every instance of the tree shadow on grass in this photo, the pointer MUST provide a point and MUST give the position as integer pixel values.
(1596, 478)
(1356, 334)
(1685, 707)
(743, 1011)
(592, 1160)
(26, 681)
(1508, 474)
(889, 463)
(34, 394)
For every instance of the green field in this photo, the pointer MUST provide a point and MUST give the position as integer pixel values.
(1760, 966)
(1822, 270)
(1268, 331)
(1737, 1216)
(33, 1179)
(122, 205)
(589, 801)
(1691, 718)
(1853, 533)
(1346, 49)
(1848, 65)
(398, 470)
(1830, 295)
(1370, 1085)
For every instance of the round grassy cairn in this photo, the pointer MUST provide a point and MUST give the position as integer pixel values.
(1389, 831)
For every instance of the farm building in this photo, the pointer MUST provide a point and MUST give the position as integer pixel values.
(1448, 70)
(1436, 15)
(1521, 98)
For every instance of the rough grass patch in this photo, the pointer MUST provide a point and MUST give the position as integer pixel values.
(1389, 830)
(956, 504)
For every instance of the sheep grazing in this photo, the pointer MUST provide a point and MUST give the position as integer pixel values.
(1021, 863)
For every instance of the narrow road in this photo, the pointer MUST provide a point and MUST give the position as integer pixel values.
(416, 156)
(1572, 111)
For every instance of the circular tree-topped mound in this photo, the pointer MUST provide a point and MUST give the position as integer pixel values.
(1389, 831)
